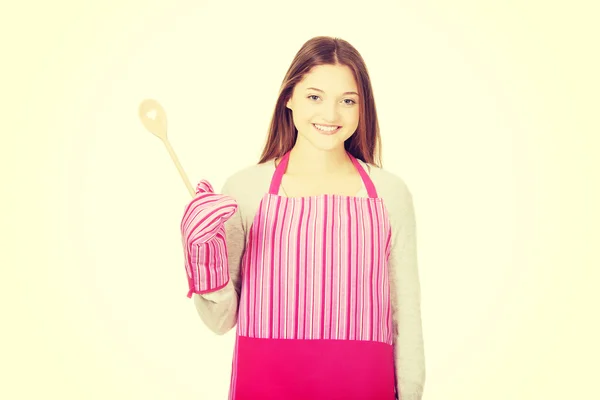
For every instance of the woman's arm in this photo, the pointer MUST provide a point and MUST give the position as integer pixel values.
(218, 309)
(406, 300)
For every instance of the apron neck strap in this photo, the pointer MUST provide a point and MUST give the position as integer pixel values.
(282, 166)
(371, 191)
(278, 175)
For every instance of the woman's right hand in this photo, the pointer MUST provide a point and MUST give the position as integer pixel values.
(203, 239)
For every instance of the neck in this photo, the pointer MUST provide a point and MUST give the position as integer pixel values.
(305, 159)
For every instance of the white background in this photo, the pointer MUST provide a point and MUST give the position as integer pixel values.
(487, 110)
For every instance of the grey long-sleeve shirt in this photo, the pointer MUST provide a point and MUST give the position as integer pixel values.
(219, 309)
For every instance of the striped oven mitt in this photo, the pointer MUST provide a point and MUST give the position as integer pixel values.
(203, 239)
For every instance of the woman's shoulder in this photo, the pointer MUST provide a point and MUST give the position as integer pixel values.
(249, 178)
(388, 182)
(396, 195)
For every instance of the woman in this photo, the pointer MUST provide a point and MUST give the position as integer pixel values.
(312, 251)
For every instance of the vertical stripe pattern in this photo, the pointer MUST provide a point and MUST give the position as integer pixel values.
(203, 239)
(315, 268)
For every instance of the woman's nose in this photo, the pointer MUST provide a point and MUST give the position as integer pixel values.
(330, 113)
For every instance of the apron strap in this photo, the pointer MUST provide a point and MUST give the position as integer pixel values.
(282, 166)
(371, 191)
(278, 175)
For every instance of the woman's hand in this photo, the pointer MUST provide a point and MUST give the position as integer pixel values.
(203, 239)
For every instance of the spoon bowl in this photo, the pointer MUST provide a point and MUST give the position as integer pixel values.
(154, 118)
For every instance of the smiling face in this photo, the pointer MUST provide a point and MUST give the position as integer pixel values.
(325, 106)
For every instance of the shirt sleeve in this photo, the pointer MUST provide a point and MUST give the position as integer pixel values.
(406, 302)
(219, 309)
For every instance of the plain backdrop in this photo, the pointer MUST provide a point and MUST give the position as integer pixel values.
(488, 111)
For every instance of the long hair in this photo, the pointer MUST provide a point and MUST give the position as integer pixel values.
(365, 143)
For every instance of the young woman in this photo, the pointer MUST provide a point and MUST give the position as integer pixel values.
(312, 251)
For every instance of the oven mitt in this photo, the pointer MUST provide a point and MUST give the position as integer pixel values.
(203, 239)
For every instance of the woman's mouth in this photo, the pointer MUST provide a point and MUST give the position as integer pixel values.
(326, 129)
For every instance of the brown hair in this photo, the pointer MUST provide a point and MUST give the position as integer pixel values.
(365, 143)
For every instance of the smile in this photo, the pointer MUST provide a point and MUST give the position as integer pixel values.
(328, 130)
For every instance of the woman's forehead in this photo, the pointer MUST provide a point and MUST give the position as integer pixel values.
(330, 79)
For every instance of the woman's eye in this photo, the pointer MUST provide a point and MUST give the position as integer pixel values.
(348, 102)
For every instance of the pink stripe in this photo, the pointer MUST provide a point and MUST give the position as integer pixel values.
(204, 215)
(304, 288)
(278, 279)
(355, 301)
(328, 321)
(326, 244)
(371, 303)
(269, 311)
(203, 240)
(342, 294)
(207, 265)
(350, 236)
(297, 285)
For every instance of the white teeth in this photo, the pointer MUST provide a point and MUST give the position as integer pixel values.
(326, 128)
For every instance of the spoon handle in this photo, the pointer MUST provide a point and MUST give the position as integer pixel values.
(179, 167)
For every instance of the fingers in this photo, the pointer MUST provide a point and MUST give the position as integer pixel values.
(204, 186)
(206, 213)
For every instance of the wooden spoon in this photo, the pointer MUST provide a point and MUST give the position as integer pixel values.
(154, 119)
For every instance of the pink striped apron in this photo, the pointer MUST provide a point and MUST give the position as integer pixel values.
(315, 317)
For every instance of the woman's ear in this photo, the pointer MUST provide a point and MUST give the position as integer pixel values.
(287, 104)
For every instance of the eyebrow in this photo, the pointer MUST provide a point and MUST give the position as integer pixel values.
(319, 90)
